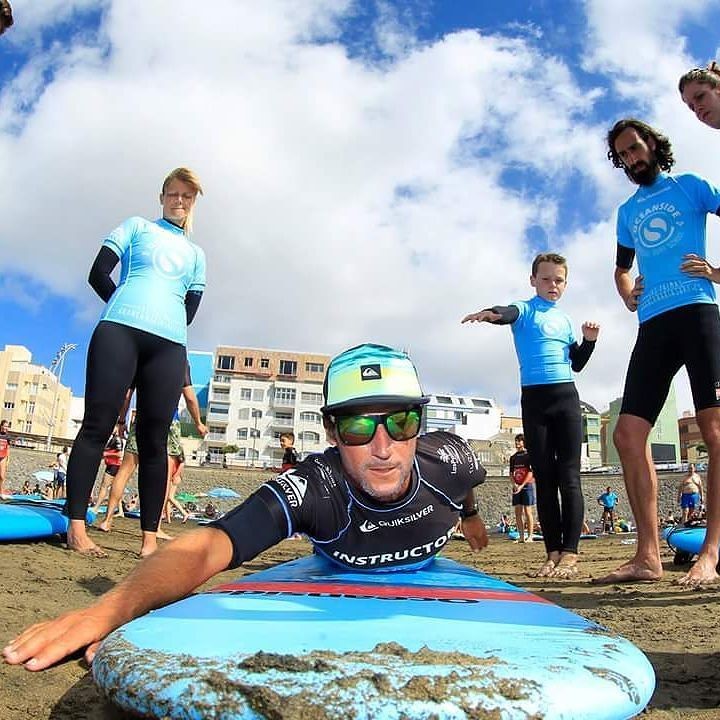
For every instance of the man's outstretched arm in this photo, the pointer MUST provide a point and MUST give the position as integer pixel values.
(153, 583)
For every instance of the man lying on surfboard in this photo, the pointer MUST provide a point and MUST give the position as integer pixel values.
(380, 498)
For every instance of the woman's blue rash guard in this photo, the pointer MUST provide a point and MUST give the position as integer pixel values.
(159, 267)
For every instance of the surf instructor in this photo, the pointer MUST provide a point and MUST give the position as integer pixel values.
(380, 498)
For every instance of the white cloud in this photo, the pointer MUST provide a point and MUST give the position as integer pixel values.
(346, 200)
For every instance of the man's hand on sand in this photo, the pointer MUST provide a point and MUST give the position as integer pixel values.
(473, 528)
(46, 643)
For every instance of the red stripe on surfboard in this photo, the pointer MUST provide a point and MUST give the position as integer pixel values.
(409, 592)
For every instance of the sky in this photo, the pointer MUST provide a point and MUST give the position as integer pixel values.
(373, 170)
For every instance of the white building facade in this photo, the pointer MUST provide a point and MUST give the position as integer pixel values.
(470, 417)
(255, 395)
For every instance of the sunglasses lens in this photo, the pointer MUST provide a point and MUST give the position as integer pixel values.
(403, 425)
(356, 429)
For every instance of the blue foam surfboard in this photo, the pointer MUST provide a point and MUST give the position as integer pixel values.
(688, 540)
(33, 519)
(443, 642)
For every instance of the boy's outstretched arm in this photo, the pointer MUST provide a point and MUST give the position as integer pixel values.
(497, 315)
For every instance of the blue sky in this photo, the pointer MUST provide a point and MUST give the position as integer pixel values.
(373, 170)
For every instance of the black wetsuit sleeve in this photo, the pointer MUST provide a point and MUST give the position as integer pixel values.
(624, 257)
(580, 354)
(509, 313)
(256, 525)
(99, 277)
(192, 303)
(188, 380)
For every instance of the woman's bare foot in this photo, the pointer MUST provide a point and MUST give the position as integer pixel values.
(566, 567)
(105, 525)
(160, 535)
(702, 573)
(548, 566)
(78, 541)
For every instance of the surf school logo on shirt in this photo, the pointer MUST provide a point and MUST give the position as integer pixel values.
(657, 228)
(552, 327)
(169, 262)
(293, 486)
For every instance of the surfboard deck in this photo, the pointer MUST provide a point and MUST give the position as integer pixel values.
(33, 519)
(308, 639)
(537, 537)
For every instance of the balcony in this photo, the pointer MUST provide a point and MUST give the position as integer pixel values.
(283, 402)
(223, 398)
(281, 422)
(217, 418)
(221, 380)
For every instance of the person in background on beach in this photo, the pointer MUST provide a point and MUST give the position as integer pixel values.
(290, 457)
(700, 91)
(523, 490)
(47, 493)
(131, 459)
(663, 225)
(379, 473)
(176, 465)
(25, 488)
(112, 456)
(690, 493)
(6, 16)
(608, 501)
(549, 354)
(140, 338)
(4, 454)
(60, 473)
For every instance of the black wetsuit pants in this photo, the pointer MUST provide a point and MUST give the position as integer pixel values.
(553, 436)
(117, 356)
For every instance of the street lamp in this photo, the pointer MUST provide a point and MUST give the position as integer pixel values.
(56, 367)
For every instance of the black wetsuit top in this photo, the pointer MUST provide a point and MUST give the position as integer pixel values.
(349, 527)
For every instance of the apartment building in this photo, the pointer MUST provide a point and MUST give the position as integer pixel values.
(32, 398)
(255, 395)
(473, 418)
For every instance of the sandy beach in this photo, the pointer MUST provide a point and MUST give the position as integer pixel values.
(676, 628)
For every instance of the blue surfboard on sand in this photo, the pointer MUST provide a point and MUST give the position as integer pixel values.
(308, 639)
(33, 519)
(685, 539)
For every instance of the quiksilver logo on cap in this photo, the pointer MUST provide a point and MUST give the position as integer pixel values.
(370, 372)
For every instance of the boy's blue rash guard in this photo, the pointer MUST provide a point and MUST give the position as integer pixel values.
(661, 223)
(543, 336)
(159, 266)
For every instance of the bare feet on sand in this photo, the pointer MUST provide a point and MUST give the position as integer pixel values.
(637, 570)
(566, 567)
(105, 525)
(164, 536)
(81, 543)
(547, 567)
(702, 573)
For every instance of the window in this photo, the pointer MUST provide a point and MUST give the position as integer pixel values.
(257, 413)
(461, 401)
(244, 414)
(221, 378)
(314, 367)
(311, 398)
(432, 413)
(246, 393)
(28, 426)
(11, 386)
(241, 453)
(258, 395)
(310, 417)
(265, 363)
(457, 415)
(443, 400)
(247, 362)
(242, 433)
(226, 362)
(217, 410)
(217, 429)
(481, 403)
(34, 388)
(284, 396)
(283, 419)
(9, 405)
(310, 436)
(225, 392)
(31, 407)
(288, 367)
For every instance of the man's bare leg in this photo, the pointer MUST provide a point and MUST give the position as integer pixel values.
(519, 523)
(529, 521)
(127, 468)
(103, 492)
(630, 438)
(704, 570)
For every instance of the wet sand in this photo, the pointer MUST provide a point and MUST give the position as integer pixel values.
(676, 628)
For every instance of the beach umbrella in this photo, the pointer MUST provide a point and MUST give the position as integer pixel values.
(223, 493)
(44, 475)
